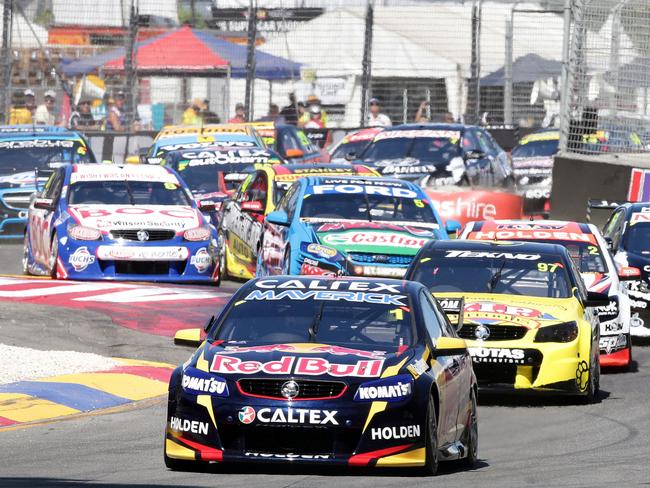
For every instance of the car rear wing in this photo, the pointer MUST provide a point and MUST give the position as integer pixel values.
(454, 308)
(601, 204)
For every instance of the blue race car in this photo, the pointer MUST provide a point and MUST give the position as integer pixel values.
(348, 372)
(110, 222)
(23, 150)
(354, 226)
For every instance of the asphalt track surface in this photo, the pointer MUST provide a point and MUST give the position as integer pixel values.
(523, 442)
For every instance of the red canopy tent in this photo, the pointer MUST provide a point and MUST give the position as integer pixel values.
(179, 53)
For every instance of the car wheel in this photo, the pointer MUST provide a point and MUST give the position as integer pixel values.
(593, 384)
(54, 255)
(472, 434)
(223, 261)
(26, 255)
(177, 464)
(431, 441)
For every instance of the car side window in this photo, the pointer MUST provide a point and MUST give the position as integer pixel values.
(288, 198)
(53, 186)
(447, 327)
(257, 190)
(430, 316)
(241, 192)
(484, 143)
(469, 142)
(582, 289)
(610, 226)
(289, 141)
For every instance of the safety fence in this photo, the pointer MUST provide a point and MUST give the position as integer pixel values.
(483, 61)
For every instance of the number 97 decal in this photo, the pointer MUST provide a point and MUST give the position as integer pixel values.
(548, 267)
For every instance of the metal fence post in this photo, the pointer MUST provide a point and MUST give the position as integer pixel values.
(7, 14)
(507, 73)
(367, 63)
(129, 65)
(565, 112)
(250, 58)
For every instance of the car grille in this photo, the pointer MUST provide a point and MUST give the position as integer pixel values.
(499, 374)
(289, 439)
(132, 235)
(17, 200)
(160, 268)
(307, 389)
(497, 332)
(361, 257)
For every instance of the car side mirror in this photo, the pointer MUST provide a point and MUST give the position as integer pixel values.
(44, 204)
(207, 205)
(474, 155)
(254, 206)
(449, 346)
(278, 217)
(189, 337)
(452, 226)
(629, 273)
(294, 153)
(595, 299)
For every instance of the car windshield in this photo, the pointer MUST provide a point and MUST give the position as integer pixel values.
(205, 178)
(536, 149)
(355, 147)
(286, 320)
(587, 257)
(362, 206)
(454, 271)
(425, 149)
(27, 155)
(127, 192)
(637, 239)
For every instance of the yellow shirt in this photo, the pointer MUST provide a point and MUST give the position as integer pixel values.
(304, 118)
(20, 116)
(190, 117)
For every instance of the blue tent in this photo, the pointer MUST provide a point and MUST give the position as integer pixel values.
(267, 66)
(528, 68)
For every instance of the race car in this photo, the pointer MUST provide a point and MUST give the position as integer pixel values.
(213, 173)
(25, 149)
(112, 222)
(348, 226)
(347, 372)
(529, 320)
(352, 144)
(240, 227)
(532, 163)
(628, 233)
(288, 141)
(173, 138)
(438, 155)
(590, 252)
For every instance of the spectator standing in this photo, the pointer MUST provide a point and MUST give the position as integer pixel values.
(207, 115)
(45, 114)
(315, 118)
(30, 101)
(192, 115)
(305, 115)
(421, 115)
(240, 114)
(82, 118)
(19, 113)
(116, 118)
(375, 117)
(273, 115)
(290, 112)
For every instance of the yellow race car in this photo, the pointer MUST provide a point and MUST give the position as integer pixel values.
(240, 226)
(529, 321)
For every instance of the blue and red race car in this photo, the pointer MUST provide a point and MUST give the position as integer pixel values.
(110, 222)
(351, 372)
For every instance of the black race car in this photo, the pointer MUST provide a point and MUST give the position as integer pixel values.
(351, 372)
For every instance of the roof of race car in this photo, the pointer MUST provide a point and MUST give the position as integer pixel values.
(379, 285)
(356, 179)
(434, 126)
(180, 130)
(548, 134)
(36, 131)
(491, 246)
(114, 172)
(527, 229)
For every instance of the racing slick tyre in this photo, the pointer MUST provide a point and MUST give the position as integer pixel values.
(431, 446)
(54, 256)
(223, 260)
(178, 464)
(25, 256)
(593, 383)
(471, 442)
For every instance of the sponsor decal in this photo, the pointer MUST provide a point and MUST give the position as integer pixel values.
(201, 260)
(418, 367)
(347, 296)
(582, 375)
(638, 304)
(81, 259)
(353, 285)
(197, 382)
(392, 389)
(416, 231)
(320, 250)
(306, 349)
(311, 268)
(551, 135)
(36, 143)
(383, 271)
(374, 239)
(201, 145)
(415, 133)
(368, 189)
(100, 172)
(132, 253)
(639, 217)
(497, 355)
(467, 206)
(248, 415)
(286, 456)
(401, 432)
(534, 234)
(286, 365)
(492, 255)
(193, 426)
(611, 344)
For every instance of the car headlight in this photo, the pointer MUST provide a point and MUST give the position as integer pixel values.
(197, 234)
(81, 233)
(393, 389)
(565, 332)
